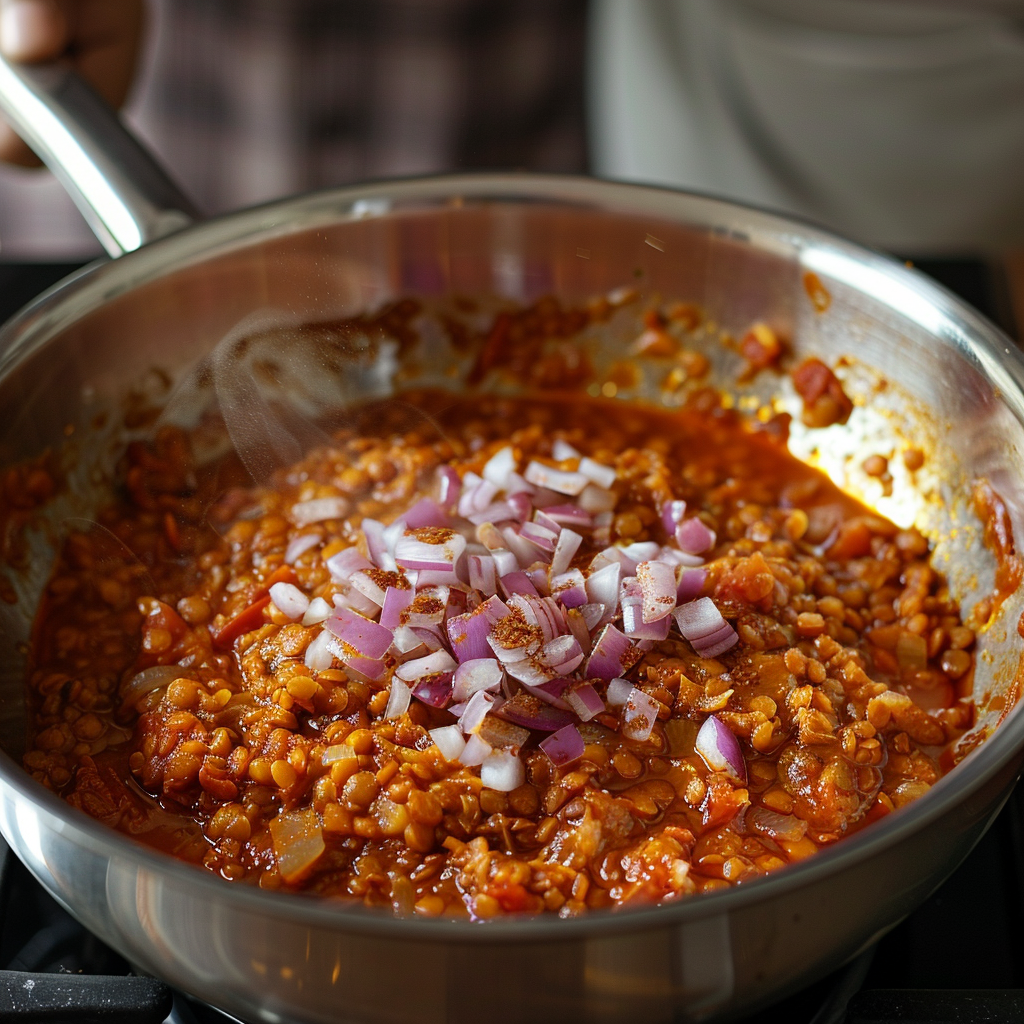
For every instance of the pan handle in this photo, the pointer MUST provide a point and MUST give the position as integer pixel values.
(124, 194)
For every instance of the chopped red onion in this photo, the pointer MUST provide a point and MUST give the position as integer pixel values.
(396, 600)
(425, 513)
(475, 751)
(612, 655)
(368, 668)
(556, 480)
(541, 518)
(496, 512)
(298, 546)
(658, 583)
(503, 734)
(476, 710)
(433, 548)
(477, 494)
(562, 655)
(550, 690)
(538, 576)
(538, 536)
(672, 513)
(541, 611)
(319, 657)
(603, 588)
(584, 700)
(502, 770)
(566, 547)
(594, 499)
(633, 554)
(702, 624)
(694, 537)
(429, 635)
(449, 488)
(527, 710)
(344, 563)
(438, 663)
(318, 611)
(449, 741)
(787, 827)
(563, 747)
(618, 692)
(426, 609)
(717, 643)
(437, 578)
(368, 583)
(521, 506)
(468, 634)
(290, 601)
(562, 450)
(478, 674)
(398, 699)
(499, 467)
(525, 552)
(406, 639)
(366, 638)
(318, 510)
(350, 599)
(691, 583)
(568, 515)
(376, 544)
(435, 691)
(578, 627)
(517, 583)
(504, 562)
(639, 714)
(570, 588)
(482, 575)
(593, 613)
(675, 557)
(633, 624)
(597, 473)
(720, 749)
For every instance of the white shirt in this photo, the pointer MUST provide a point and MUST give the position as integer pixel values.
(898, 123)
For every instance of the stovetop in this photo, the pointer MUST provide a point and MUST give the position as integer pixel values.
(959, 959)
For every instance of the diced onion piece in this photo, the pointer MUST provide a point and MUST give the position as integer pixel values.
(318, 611)
(298, 546)
(702, 624)
(449, 740)
(422, 668)
(396, 600)
(672, 513)
(618, 692)
(557, 480)
(690, 583)
(338, 752)
(398, 699)
(787, 827)
(367, 638)
(475, 751)
(478, 674)
(449, 487)
(499, 467)
(562, 655)
(570, 589)
(518, 583)
(433, 547)
(527, 710)
(376, 544)
(658, 583)
(290, 601)
(319, 656)
(148, 680)
(694, 537)
(540, 537)
(568, 515)
(342, 565)
(503, 771)
(476, 711)
(563, 747)
(612, 655)
(603, 587)
(584, 700)
(468, 634)
(639, 714)
(317, 510)
(434, 691)
(578, 627)
(502, 734)
(566, 547)
(562, 450)
(594, 499)
(482, 575)
(597, 473)
(477, 494)
(298, 842)
(720, 749)
(504, 562)
(425, 513)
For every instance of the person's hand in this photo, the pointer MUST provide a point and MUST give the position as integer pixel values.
(99, 37)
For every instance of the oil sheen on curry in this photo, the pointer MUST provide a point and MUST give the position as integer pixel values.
(512, 656)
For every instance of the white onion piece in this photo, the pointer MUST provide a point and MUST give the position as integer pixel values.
(502, 770)
(318, 611)
(298, 842)
(594, 499)
(342, 565)
(475, 752)
(319, 656)
(639, 714)
(568, 544)
(556, 480)
(578, 627)
(318, 510)
(434, 548)
(618, 692)
(505, 562)
(720, 749)
(421, 668)
(499, 467)
(562, 450)
(570, 589)
(290, 601)
(298, 546)
(476, 711)
(398, 699)
(603, 588)
(449, 740)
(658, 583)
(482, 574)
(475, 675)
(525, 552)
(598, 473)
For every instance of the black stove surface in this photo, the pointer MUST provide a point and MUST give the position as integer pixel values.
(959, 959)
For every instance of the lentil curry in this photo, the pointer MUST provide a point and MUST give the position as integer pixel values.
(544, 655)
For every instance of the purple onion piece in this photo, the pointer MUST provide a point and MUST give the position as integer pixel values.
(672, 513)
(585, 701)
(639, 714)
(468, 634)
(694, 537)
(658, 586)
(529, 712)
(690, 583)
(426, 512)
(449, 488)
(569, 515)
(435, 691)
(367, 638)
(563, 747)
(478, 674)
(344, 563)
(611, 656)
(396, 600)
(720, 749)
(518, 583)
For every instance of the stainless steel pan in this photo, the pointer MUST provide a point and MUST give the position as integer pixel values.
(953, 385)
